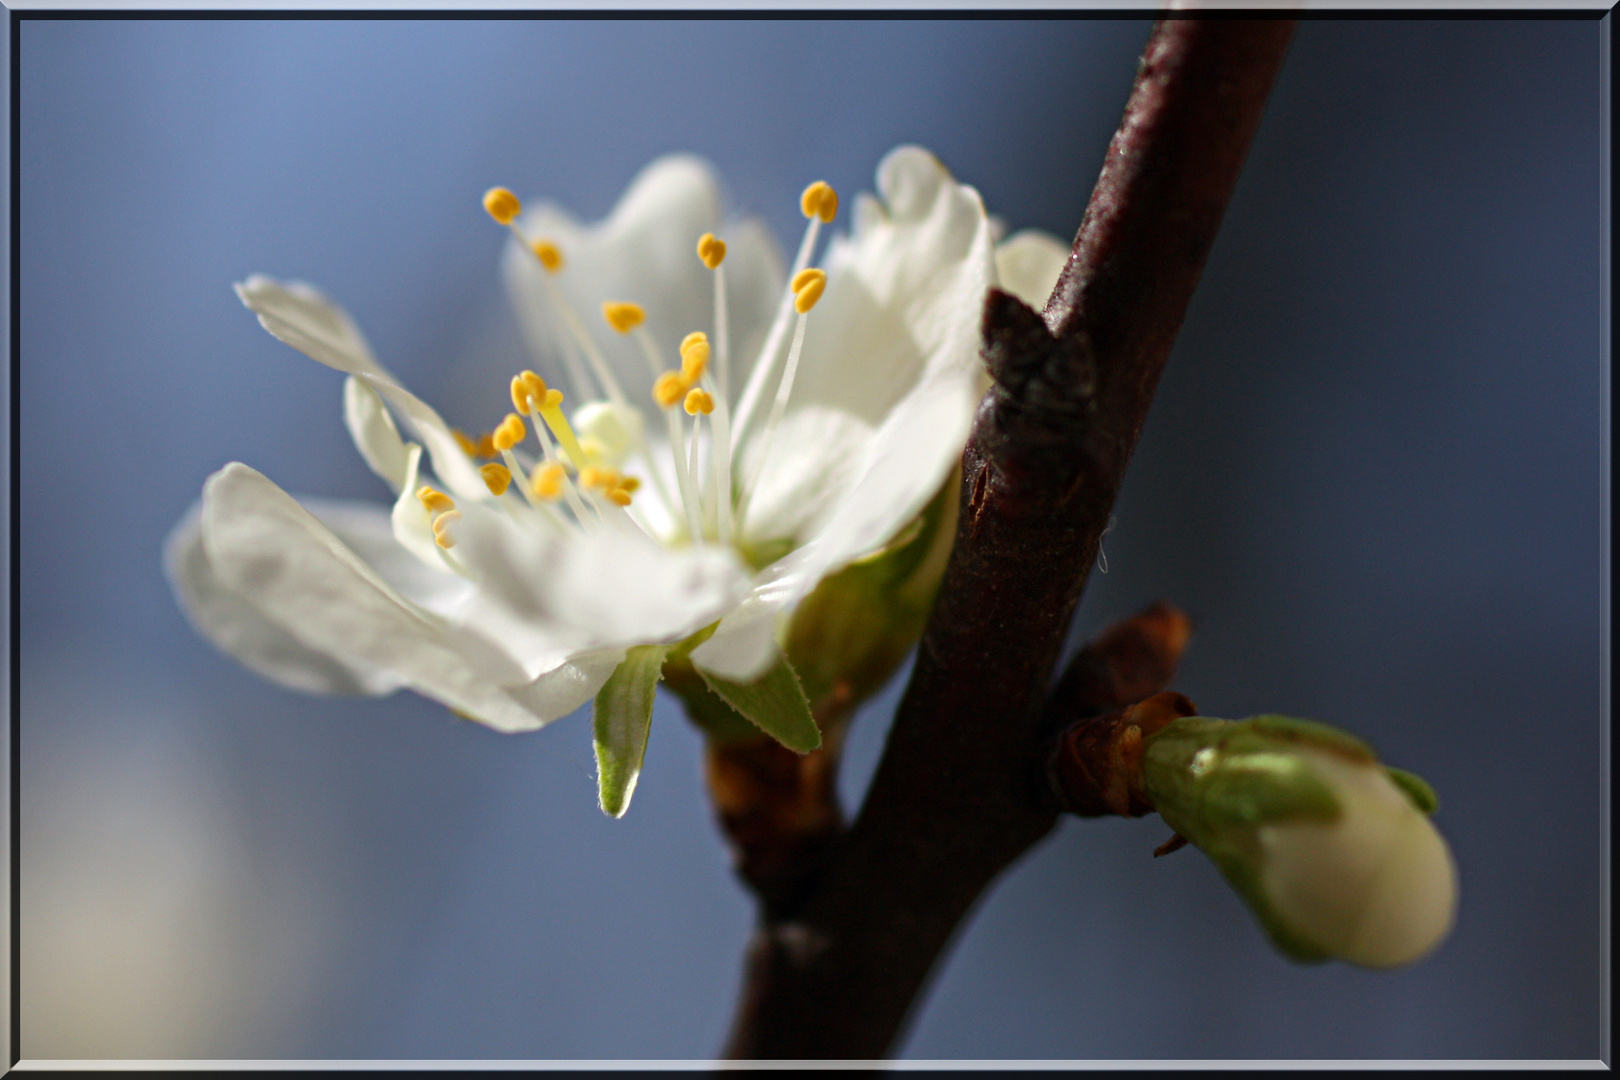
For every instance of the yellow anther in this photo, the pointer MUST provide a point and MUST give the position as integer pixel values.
(510, 432)
(548, 481)
(670, 387)
(441, 526)
(536, 385)
(436, 501)
(699, 401)
(591, 479)
(520, 395)
(618, 497)
(623, 317)
(497, 476)
(694, 356)
(549, 254)
(807, 288)
(552, 399)
(630, 485)
(711, 250)
(819, 200)
(502, 205)
(468, 447)
(486, 445)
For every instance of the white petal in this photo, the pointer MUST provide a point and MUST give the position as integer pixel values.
(1377, 886)
(646, 252)
(814, 458)
(237, 627)
(263, 545)
(297, 314)
(541, 593)
(898, 346)
(1028, 264)
(922, 438)
(374, 433)
(410, 521)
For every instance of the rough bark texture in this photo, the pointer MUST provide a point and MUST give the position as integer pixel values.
(963, 790)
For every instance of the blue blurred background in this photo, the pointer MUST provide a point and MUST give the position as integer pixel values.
(1371, 475)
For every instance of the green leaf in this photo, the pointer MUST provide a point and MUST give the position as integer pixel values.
(775, 703)
(1414, 787)
(621, 720)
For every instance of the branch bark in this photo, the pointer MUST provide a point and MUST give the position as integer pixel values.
(962, 790)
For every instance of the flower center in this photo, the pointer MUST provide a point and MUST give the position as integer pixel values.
(583, 471)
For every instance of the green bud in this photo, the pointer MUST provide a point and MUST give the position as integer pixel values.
(1333, 851)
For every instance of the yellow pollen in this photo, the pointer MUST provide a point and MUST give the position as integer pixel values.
(537, 387)
(807, 288)
(699, 401)
(692, 339)
(711, 250)
(819, 200)
(436, 502)
(520, 395)
(510, 433)
(486, 445)
(694, 357)
(629, 485)
(497, 476)
(548, 482)
(618, 497)
(444, 540)
(623, 317)
(502, 205)
(553, 399)
(468, 447)
(669, 389)
(549, 254)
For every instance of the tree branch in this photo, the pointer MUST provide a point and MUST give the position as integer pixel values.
(962, 789)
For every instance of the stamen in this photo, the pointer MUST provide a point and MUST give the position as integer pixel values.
(548, 481)
(711, 250)
(520, 395)
(669, 389)
(819, 200)
(623, 316)
(486, 445)
(497, 477)
(819, 203)
(699, 401)
(618, 497)
(719, 495)
(434, 500)
(783, 391)
(510, 432)
(694, 356)
(502, 205)
(549, 254)
(441, 525)
(807, 288)
(468, 447)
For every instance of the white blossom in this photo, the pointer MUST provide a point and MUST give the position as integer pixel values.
(811, 429)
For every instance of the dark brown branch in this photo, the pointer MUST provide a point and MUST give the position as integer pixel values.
(961, 791)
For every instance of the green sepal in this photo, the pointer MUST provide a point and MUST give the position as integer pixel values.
(1414, 787)
(775, 703)
(621, 720)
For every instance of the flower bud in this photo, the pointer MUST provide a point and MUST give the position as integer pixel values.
(1334, 853)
